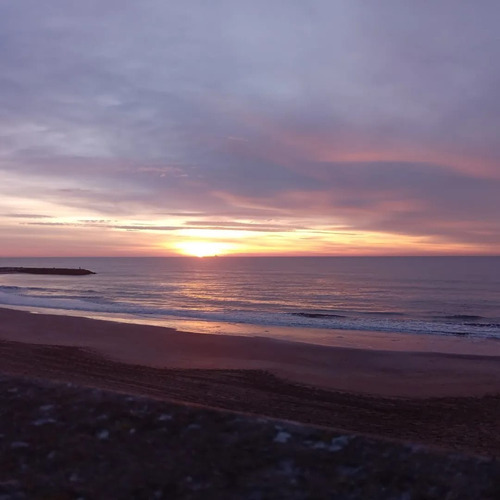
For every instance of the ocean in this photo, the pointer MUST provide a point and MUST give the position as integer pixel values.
(447, 296)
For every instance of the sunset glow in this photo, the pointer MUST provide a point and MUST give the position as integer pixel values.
(203, 248)
(143, 152)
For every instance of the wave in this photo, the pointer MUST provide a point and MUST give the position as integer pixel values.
(317, 315)
(484, 325)
(384, 313)
(463, 317)
(51, 302)
(359, 321)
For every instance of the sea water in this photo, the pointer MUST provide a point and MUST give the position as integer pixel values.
(453, 296)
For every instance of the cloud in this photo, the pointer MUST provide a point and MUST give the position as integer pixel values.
(26, 216)
(374, 116)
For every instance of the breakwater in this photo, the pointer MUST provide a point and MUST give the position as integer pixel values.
(46, 270)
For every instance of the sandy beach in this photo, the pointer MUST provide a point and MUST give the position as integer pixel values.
(447, 400)
(360, 370)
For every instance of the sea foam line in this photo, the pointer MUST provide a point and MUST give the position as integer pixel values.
(306, 320)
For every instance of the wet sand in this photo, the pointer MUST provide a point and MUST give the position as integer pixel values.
(358, 370)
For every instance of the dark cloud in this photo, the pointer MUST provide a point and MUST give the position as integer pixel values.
(204, 225)
(26, 216)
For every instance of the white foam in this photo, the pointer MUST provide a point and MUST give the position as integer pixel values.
(10, 296)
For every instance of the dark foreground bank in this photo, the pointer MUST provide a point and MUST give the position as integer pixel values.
(62, 441)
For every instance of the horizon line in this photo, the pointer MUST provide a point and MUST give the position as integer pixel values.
(236, 256)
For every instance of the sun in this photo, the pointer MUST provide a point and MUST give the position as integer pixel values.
(203, 248)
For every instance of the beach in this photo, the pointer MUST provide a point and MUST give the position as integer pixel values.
(427, 397)
(373, 371)
(92, 408)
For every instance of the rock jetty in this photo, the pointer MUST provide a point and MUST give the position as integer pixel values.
(45, 270)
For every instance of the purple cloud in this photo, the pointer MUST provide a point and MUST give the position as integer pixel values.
(377, 116)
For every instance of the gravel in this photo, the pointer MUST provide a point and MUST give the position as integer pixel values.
(64, 441)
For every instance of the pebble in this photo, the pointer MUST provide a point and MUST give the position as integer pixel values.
(338, 443)
(43, 421)
(318, 446)
(164, 417)
(282, 437)
(19, 444)
(287, 467)
(102, 435)
(46, 407)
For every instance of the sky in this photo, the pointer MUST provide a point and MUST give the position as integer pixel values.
(275, 127)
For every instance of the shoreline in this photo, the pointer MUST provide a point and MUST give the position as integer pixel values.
(355, 368)
(327, 337)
